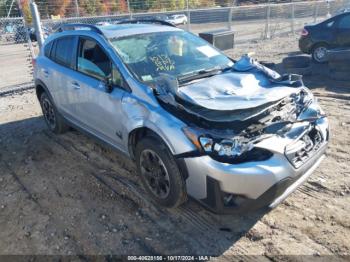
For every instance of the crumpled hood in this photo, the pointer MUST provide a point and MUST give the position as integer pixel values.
(234, 90)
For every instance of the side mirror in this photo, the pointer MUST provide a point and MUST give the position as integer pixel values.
(108, 84)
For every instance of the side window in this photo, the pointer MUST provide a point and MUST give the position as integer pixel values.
(47, 49)
(344, 23)
(117, 78)
(92, 60)
(62, 53)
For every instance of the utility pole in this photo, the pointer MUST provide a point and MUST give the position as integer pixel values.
(37, 23)
(188, 16)
(328, 8)
(233, 3)
(267, 21)
(76, 8)
(129, 10)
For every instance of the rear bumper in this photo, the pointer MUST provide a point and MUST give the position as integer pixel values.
(305, 45)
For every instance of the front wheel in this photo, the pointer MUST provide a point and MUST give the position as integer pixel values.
(159, 173)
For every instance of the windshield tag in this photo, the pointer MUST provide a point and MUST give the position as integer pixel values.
(208, 51)
(147, 78)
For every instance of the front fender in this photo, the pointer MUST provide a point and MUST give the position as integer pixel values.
(139, 114)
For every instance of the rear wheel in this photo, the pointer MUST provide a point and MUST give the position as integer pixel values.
(319, 53)
(159, 172)
(52, 117)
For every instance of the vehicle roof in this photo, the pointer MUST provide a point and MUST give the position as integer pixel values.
(117, 30)
(114, 31)
(336, 17)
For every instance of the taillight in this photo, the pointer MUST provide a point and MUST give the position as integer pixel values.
(304, 32)
(33, 62)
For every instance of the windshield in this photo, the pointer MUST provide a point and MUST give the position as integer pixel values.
(175, 53)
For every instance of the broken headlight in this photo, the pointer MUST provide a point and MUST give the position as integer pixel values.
(310, 107)
(220, 147)
(225, 147)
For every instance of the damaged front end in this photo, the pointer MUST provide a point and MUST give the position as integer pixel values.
(228, 114)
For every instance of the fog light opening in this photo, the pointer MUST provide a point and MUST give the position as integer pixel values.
(232, 200)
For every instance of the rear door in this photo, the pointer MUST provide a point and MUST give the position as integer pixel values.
(97, 108)
(62, 74)
(343, 31)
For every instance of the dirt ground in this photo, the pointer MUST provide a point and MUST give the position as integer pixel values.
(67, 194)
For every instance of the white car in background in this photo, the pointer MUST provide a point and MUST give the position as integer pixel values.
(177, 19)
(103, 23)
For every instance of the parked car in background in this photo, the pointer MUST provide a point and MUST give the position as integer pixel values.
(32, 33)
(20, 34)
(177, 19)
(161, 17)
(331, 33)
(103, 23)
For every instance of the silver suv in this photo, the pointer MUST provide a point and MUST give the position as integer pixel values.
(234, 135)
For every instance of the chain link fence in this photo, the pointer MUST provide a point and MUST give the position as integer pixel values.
(253, 22)
(16, 53)
(249, 23)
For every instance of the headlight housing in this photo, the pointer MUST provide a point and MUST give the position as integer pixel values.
(220, 147)
(311, 108)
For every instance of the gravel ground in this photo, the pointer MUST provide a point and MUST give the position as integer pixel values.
(68, 195)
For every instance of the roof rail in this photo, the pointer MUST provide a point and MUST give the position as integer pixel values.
(145, 21)
(70, 27)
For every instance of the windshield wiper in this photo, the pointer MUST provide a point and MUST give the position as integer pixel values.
(202, 73)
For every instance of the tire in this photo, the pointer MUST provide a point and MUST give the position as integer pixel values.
(296, 62)
(155, 172)
(316, 52)
(52, 117)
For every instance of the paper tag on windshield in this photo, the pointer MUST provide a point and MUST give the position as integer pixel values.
(147, 78)
(208, 51)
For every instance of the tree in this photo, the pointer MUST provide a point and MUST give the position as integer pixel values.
(181, 4)
(90, 7)
(139, 5)
(26, 11)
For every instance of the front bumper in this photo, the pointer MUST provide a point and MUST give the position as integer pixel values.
(252, 185)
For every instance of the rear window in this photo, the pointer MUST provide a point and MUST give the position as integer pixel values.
(62, 52)
(344, 22)
(47, 49)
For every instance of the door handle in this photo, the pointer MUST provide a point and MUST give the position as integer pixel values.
(75, 85)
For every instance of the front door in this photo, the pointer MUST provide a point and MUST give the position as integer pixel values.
(98, 108)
